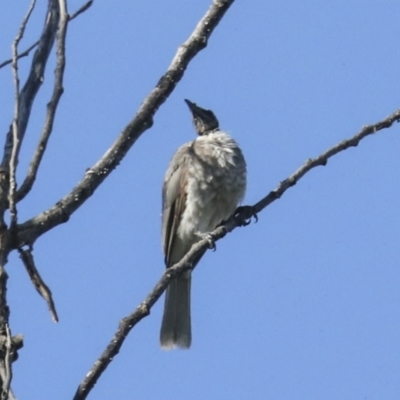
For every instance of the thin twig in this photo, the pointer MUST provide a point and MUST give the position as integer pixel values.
(20, 55)
(13, 184)
(143, 120)
(35, 78)
(81, 10)
(197, 249)
(58, 90)
(40, 286)
(16, 144)
(28, 50)
(322, 159)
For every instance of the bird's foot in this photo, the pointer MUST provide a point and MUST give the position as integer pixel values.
(210, 239)
(244, 214)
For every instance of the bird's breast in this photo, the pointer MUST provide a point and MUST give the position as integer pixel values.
(215, 184)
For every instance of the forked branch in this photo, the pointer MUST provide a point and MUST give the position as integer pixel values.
(20, 55)
(35, 78)
(51, 107)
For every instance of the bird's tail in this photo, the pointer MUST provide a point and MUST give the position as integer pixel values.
(176, 328)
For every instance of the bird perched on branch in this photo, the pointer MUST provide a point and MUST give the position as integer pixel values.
(204, 183)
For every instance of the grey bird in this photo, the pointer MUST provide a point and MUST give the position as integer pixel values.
(204, 183)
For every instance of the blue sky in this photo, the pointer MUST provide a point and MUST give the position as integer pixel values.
(302, 305)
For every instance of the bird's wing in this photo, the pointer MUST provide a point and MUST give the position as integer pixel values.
(174, 199)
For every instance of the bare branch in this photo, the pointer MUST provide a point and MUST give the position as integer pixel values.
(16, 144)
(40, 286)
(81, 10)
(20, 55)
(13, 166)
(26, 255)
(35, 78)
(28, 50)
(60, 212)
(58, 90)
(127, 323)
(322, 159)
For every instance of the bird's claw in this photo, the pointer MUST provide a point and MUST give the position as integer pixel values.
(211, 242)
(244, 214)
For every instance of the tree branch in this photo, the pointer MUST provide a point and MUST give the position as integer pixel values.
(15, 136)
(20, 55)
(28, 50)
(36, 279)
(7, 196)
(60, 212)
(58, 90)
(35, 78)
(16, 143)
(81, 10)
(143, 310)
(322, 159)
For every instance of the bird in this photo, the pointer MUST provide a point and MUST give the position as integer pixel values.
(204, 183)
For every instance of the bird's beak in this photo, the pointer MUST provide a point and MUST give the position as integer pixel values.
(197, 111)
(191, 105)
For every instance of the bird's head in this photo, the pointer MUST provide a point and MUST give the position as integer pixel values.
(204, 121)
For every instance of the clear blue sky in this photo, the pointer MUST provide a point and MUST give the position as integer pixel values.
(303, 305)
